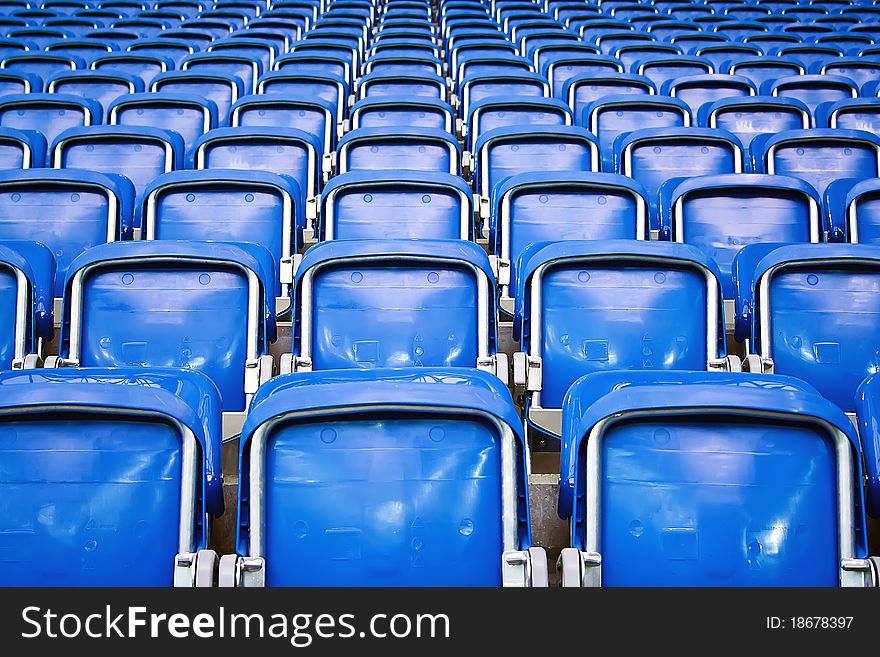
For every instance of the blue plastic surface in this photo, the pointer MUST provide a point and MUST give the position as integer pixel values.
(42, 64)
(102, 87)
(661, 68)
(697, 90)
(581, 90)
(295, 110)
(391, 111)
(35, 263)
(373, 308)
(225, 64)
(812, 90)
(752, 116)
(859, 198)
(504, 111)
(764, 69)
(21, 149)
(48, 114)
(141, 311)
(144, 66)
(188, 115)
(120, 529)
(414, 149)
(222, 90)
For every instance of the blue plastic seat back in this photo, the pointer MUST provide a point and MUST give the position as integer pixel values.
(614, 304)
(561, 70)
(70, 211)
(21, 329)
(19, 83)
(280, 150)
(697, 90)
(86, 49)
(824, 316)
(144, 66)
(21, 149)
(390, 111)
(368, 310)
(812, 90)
(540, 207)
(678, 521)
(175, 49)
(854, 114)
(138, 153)
(322, 64)
(662, 68)
(325, 87)
(43, 65)
(401, 205)
(118, 529)
(720, 54)
(858, 69)
(477, 88)
(764, 69)
(721, 214)
(9, 47)
(312, 115)
(415, 149)
(230, 66)
(39, 35)
(854, 209)
(505, 152)
(101, 87)
(508, 110)
(410, 64)
(612, 116)
(223, 91)
(188, 115)
(325, 507)
(630, 53)
(492, 65)
(226, 205)
(253, 49)
(377, 84)
(48, 114)
(581, 90)
(818, 156)
(749, 117)
(810, 54)
(193, 313)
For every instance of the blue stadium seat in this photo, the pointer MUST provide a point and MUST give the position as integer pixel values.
(395, 303)
(71, 440)
(144, 66)
(505, 152)
(228, 65)
(748, 117)
(41, 36)
(504, 111)
(697, 90)
(491, 64)
(415, 149)
(812, 90)
(42, 64)
(852, 210)
(145, 28)
(631, 53)
(858, 69)
(562, 68)
(661, 68)
(27, 274)
(615, 115)
(322, 85)
(48, 114)
(589, 306)
(21, 149)
(206, 306)
(11, 47)
(103, 87)
(333, 64)
(255, 49)
(295, 529)
(15, 82)
(765, 69)
(720, 54)
(767, 447)
(412, 112)
(222, 90)
(519, 83)
(279, 150)
(818, 156)
(822, 303)
(296, 110)
(229, 205)
(583, 89)
(86, 49)
(403, 64)
(189, 115)
(557, 206)
(381, 84)
(71, 210)
(139, 153)
(809, 54)
(850, 114)
(719, 214)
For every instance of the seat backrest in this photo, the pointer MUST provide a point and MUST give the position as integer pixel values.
(280, 150)
(697, 90)
(221, 89)
(748, 117)
(95, 427)
(615, 115)
(850, 114)
(397, 303)
(764, 69)
(396, 205)
(310, 114)
(174, 49)
(19, 83)
(390, 111)
(860, 70)
(144, 66)
(99, 86)
(139, 153)
(27, 274)
(382, 84)
(415, 149)
(588, 306)
(519, 83)
(543, 206)
(509, 110)
(809, 54)
(70, 210)
(812, 90)
(661, 68)
(720, 214)
(188, 115)
(468, 415)
(227, 205)
(326, 86)
(631, 440)
(722, 53)
(21, 149)
(818, 156)
(230, 65)
(813, 310)
(504, 152)
(852, 210)
(169, 290)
